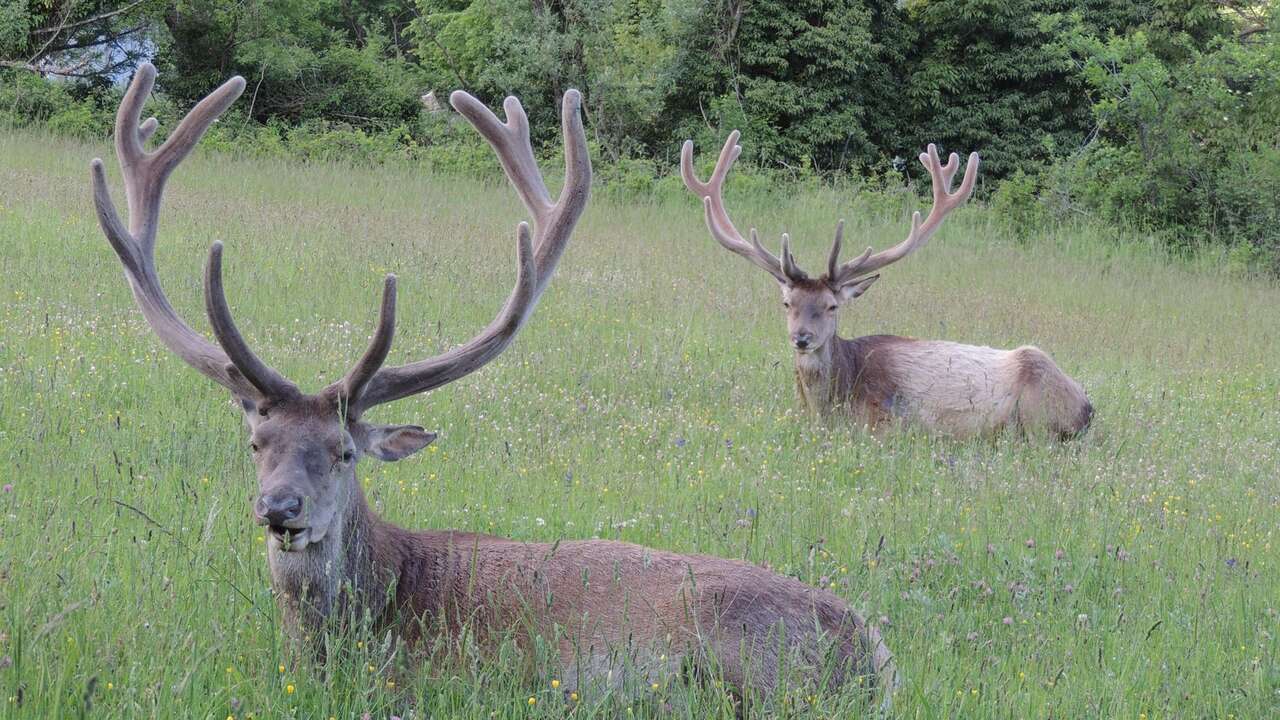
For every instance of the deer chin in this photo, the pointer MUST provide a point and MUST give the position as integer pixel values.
(810, 359)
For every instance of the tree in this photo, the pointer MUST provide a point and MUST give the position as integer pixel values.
(332, 59)
(1189, 146)
(87, 39)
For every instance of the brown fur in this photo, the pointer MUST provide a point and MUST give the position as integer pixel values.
(952, 389)
(854, 376)
(1048, 398)
(613, 609)
(949, 388)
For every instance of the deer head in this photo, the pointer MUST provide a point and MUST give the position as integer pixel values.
(812, 303)
(306, 446)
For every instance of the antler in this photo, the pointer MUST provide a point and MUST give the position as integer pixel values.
(145, 174)
(537, 254)
(359, 376)
(944, 201)
(718, 221)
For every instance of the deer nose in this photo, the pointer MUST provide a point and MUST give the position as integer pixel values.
(278, 508)
(802, 340)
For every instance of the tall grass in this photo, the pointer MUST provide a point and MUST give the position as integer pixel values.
(1132, 574)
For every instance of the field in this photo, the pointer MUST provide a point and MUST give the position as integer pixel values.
(1133, 574)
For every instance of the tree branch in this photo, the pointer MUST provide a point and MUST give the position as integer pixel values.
(62, 27)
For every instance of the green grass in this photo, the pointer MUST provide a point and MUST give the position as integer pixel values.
(1131, 574)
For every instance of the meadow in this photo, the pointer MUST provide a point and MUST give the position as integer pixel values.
(1132, 574)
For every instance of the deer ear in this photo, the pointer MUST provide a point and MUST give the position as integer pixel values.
(396, 442)
(855, 288)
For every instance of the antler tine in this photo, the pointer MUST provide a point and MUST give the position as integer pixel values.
(147, 172)
(394, 383)
(717, 218)
(268, 382)
(789, 267)
(379, 346)
(538, 252)
(944, 201)
(510, 142)
(145, 175)
(833, 260)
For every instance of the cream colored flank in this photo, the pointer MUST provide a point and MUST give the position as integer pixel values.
(948, 388)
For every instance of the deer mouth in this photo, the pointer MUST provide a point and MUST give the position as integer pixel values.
(289, 539)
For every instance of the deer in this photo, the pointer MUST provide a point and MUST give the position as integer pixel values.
(611, 610)
(948, 388)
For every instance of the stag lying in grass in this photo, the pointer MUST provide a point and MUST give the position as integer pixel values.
(948, 388)
(611, 609)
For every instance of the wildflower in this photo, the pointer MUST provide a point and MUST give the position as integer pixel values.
(1059, 554)
(1007, 620)
(282, 669)
(573, 696)
(555, 684)
(1031, 543)
(653, 686)
(288, 689)
(532, 701)
(8, 487)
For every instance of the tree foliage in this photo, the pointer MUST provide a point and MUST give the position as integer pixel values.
(88, 39)
(1193, 146)
(1159, 112)
(303, 59)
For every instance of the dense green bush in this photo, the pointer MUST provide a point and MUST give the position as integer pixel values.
(1191, 149)
(27, 100)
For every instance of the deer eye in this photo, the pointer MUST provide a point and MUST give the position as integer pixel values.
(347, 455)
(786, 304)
(254, 446)
(831, 308)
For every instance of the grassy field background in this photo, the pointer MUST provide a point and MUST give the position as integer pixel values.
(1132, 574)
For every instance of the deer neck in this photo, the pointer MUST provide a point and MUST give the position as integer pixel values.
(340, 577)
(814, 374)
